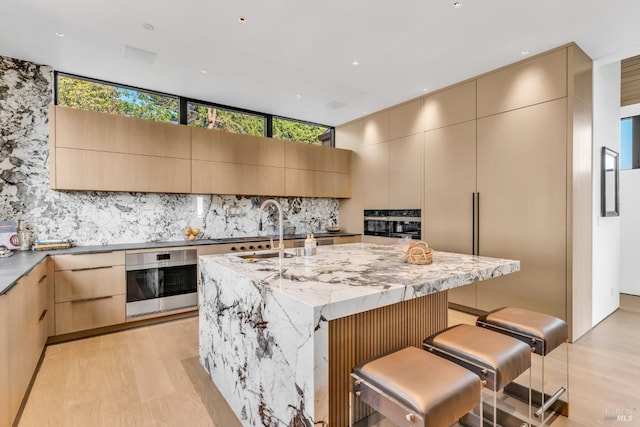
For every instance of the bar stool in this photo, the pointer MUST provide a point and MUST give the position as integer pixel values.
(411, 387)
(542, 332)
(497, 359)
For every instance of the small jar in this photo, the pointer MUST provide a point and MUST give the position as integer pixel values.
(310, 245)
(24, 237)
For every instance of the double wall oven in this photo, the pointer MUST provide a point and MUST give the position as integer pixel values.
(397, 223)
(161, 281)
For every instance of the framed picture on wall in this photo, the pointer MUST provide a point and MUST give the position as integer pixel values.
(610, 199)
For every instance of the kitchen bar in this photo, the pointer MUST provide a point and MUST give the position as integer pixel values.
(280, 345)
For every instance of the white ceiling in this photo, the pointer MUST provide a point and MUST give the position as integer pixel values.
(288, 48)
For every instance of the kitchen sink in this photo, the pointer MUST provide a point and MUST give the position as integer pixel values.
(263, 255)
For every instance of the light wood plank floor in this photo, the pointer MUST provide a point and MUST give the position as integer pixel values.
(151, 376)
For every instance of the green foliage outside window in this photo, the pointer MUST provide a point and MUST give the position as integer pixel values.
(228, 120)
(293, 130)
(93, 96)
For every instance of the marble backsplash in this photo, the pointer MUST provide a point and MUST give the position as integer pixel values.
(100, 218)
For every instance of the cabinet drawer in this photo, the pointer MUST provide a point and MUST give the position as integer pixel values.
(95, 282)
(81, 315)
(79, 262)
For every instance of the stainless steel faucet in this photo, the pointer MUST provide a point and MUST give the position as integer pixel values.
(280, 226)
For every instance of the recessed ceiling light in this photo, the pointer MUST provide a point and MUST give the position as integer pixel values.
(298, 96)
(59, 34)
(148, 26)
(242, 20)
(203, 71)
(355, 63)
(425, 89)
(457, 5)
(524, 52)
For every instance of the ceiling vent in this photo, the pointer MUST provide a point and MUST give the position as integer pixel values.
(138, 55)
(334, 105)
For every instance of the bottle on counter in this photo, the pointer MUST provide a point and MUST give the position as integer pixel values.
(310, 245)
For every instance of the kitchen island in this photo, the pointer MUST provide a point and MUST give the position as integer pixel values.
(279, 345)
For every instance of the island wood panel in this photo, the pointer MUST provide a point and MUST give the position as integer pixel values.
(105, 171)
(233, 178)
(90, 130)
(406, 172)
(317, 158)
(219, 146)
(540, 79)
(363, 336)
(450, 106)
(305, 183)
(5, 421)
(81, 315)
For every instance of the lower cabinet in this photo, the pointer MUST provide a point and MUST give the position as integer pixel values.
(90, 291)
(24, 334)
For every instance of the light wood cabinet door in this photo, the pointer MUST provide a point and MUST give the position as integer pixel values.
(406, 172)
(406, 120)
(376, 128)
(341, 240)
(372, 170)
(317, 158)
(450, 106)
(105, 171)
(95, 282)
(74, 316)
(90, 130)
(233, 178)
(526, 83)
(522, 173)
(5, 421)
(219, 146)
(305, 183)
(450, 181)
(85, 261)
(350, 136)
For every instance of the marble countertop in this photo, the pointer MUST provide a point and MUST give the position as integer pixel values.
(346, 279)
(21, 263)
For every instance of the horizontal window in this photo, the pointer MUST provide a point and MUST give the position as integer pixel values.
(87, 94)
(95, 96)
(212, 117)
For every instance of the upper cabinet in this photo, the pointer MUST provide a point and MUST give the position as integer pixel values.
(104, 152)
(540, 79)
(317, 171)
(451, 106)
(405, 120)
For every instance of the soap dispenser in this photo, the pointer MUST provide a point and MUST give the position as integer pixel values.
(310, 245)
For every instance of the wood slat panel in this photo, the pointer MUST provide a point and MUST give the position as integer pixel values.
(355, 339)
(629, 87)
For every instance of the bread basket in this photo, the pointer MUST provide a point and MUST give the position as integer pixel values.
(419, 253)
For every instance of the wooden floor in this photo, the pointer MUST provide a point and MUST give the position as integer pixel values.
(151, 376)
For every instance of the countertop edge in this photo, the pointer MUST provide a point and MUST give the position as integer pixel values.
(29, 259)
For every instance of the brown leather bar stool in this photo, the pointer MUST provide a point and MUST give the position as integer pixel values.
(411, 387)
(542, 332)
(497, 359)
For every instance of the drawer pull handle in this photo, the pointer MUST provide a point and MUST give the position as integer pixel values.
(43, 315)
(42, 279)
(92, 268)
(91, 299)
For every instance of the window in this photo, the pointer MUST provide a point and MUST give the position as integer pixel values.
(90, 95)
(630, 143)
(212, 117)
(295, 130)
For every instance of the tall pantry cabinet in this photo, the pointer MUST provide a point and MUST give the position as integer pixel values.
(507, 173)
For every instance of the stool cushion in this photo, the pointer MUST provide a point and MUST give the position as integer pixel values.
(438, 390)
(545, 328)
(504, 355)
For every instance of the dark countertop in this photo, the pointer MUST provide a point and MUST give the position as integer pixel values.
(21, 263)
